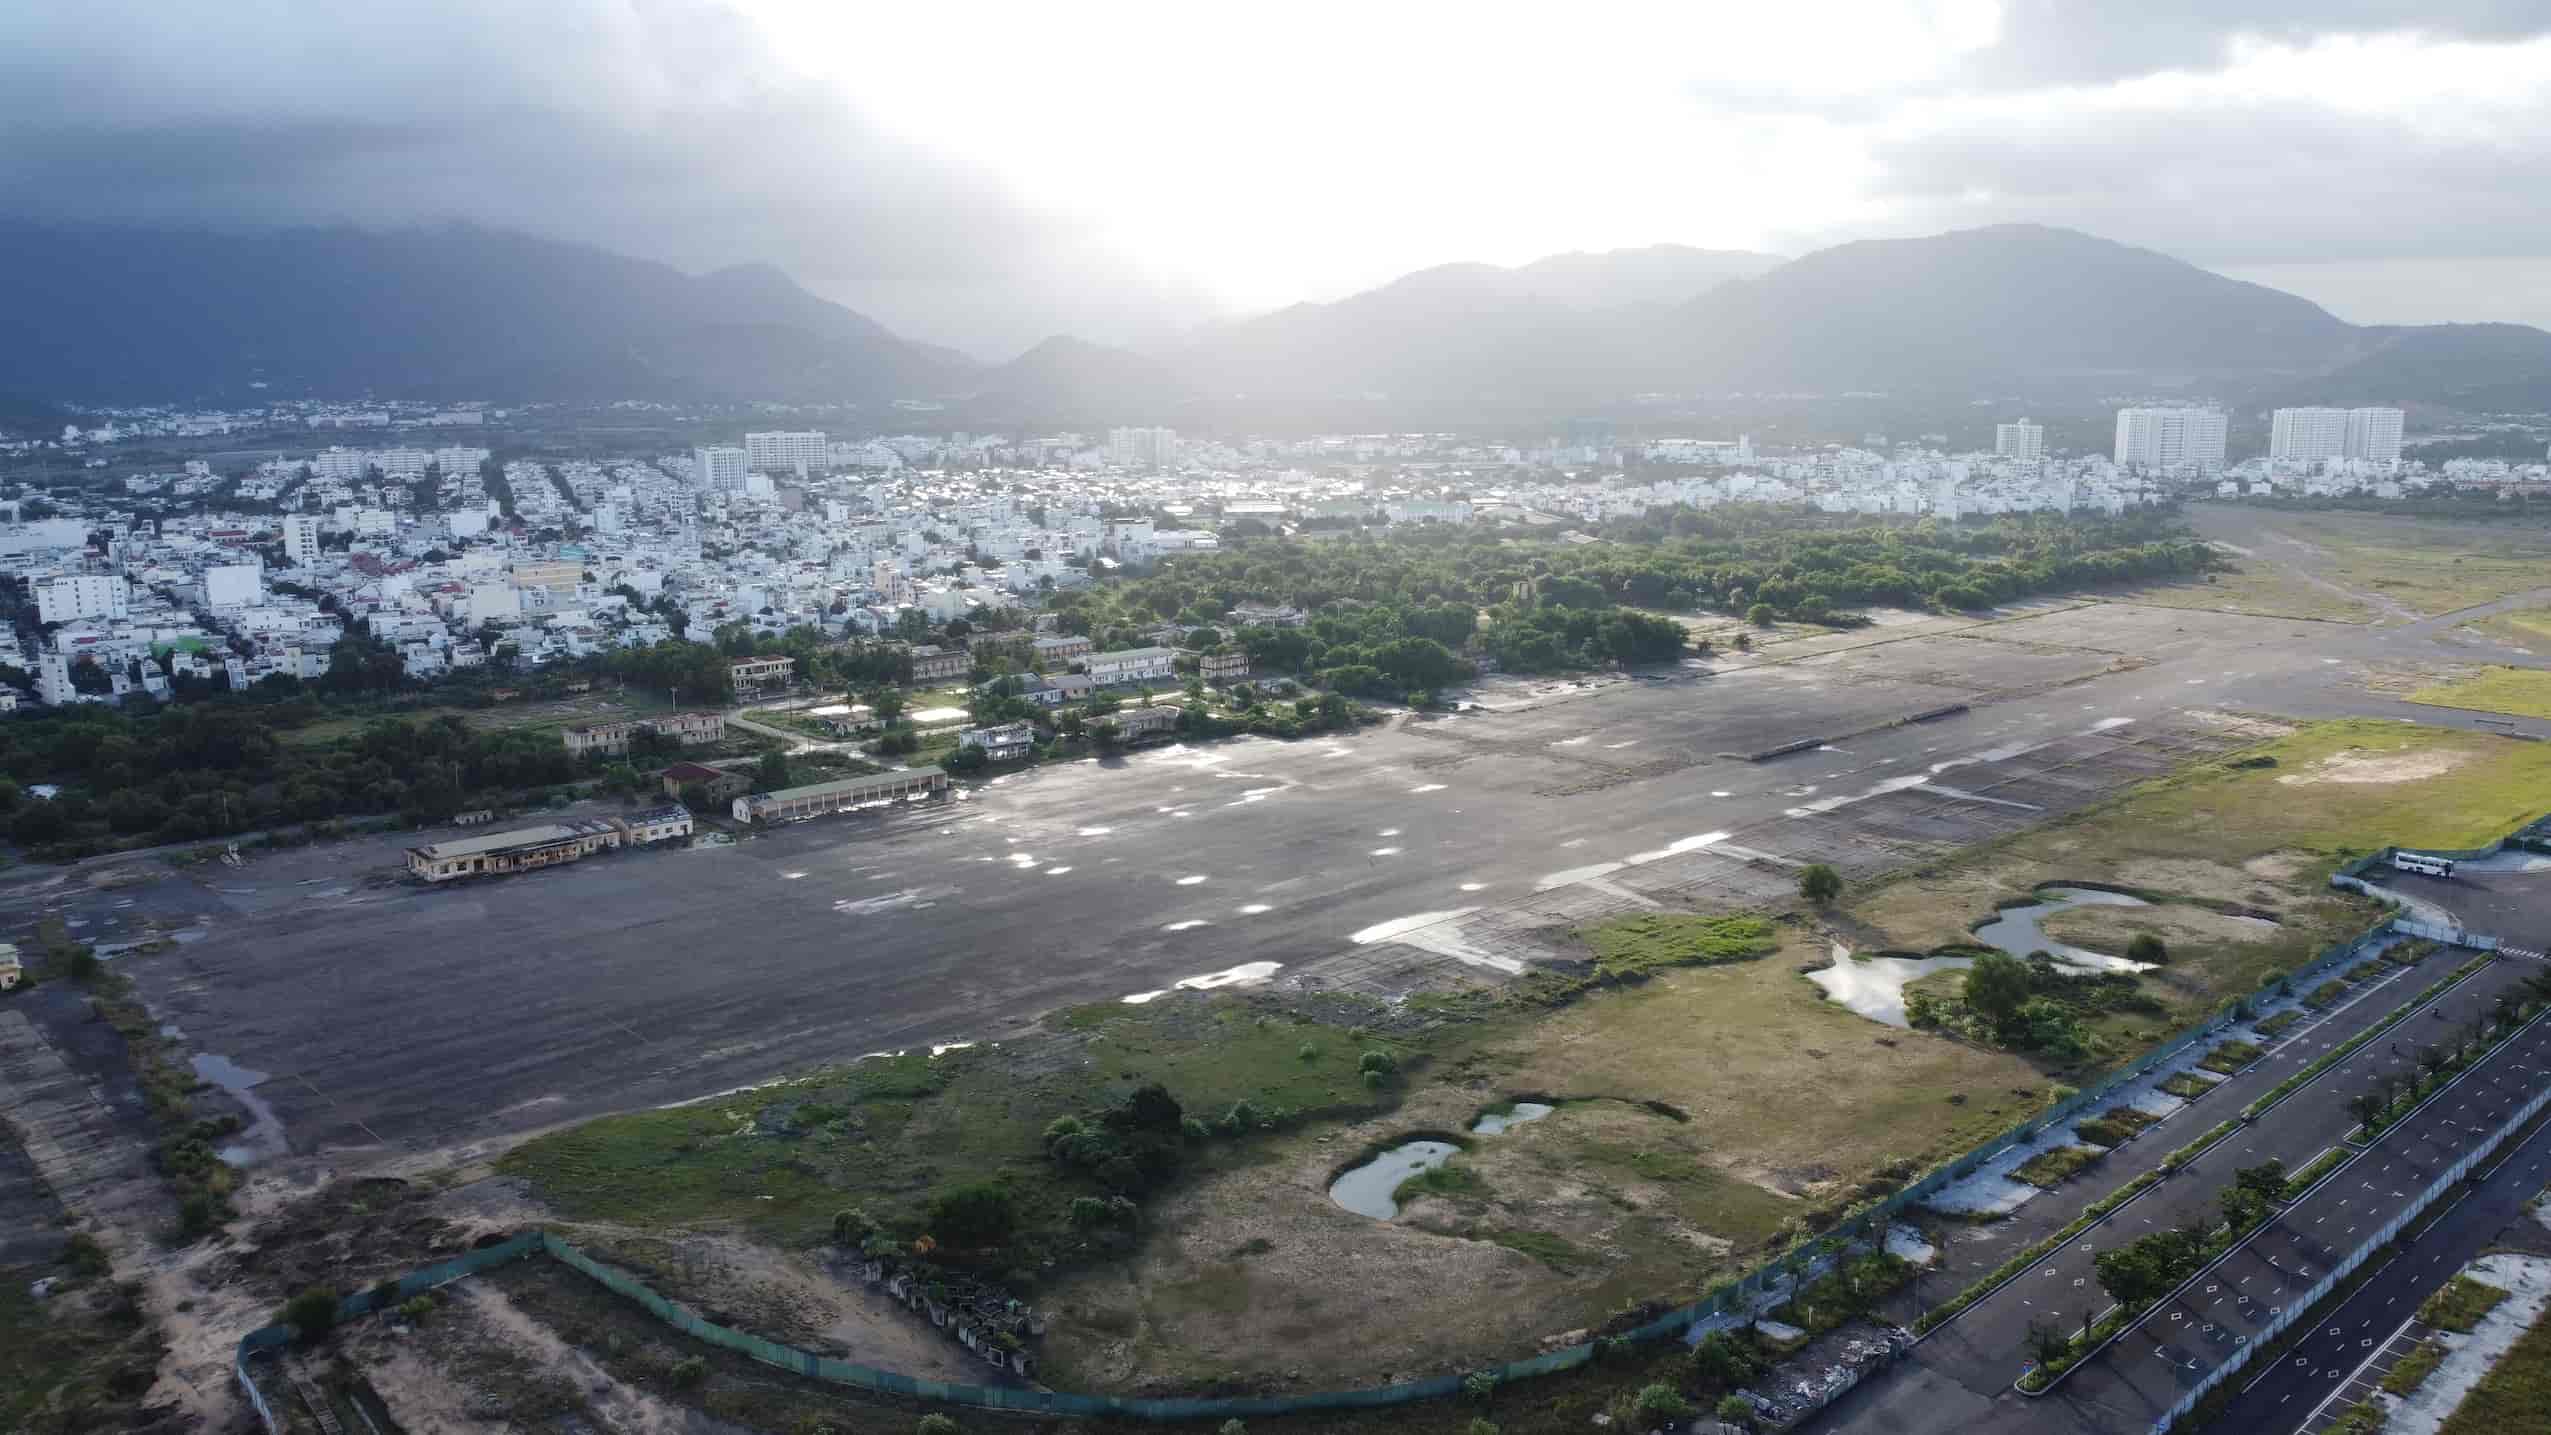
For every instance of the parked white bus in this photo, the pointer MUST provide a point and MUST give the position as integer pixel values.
(2421, 863)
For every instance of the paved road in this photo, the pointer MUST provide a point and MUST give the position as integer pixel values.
(2328, 1368)
(2135, 1380)
(1982, 1348)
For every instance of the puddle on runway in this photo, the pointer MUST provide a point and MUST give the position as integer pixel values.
(1189, 881)
(1254, 908)
(1388, 851)
(1388, 832)
(1056, 871)
(1101, 831)
(1474, 886)
(1187, 926)
(1428, 787)
(1245, 974)
(264, 1136)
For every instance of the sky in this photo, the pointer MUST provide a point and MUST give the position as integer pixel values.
(989, 174)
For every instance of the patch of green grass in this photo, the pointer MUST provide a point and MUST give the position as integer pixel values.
(1650, 941)
(2301, 1181)
(1552, 1250)
(2231, 1057)
(2047, 1168)
(2514, 1392)
(2461, 1304)
(2518, 692)
(78, 1361)
(2188, 1086)
(2325, 994)
(2279, 1024)
(899, 1130)
(1451, 1181)
(2113, 1126)
(2415, 1367)
(2365, 970)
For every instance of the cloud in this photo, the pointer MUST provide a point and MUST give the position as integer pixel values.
(2072, 42)
(672, 131)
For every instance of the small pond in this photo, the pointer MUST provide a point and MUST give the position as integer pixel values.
(1522, 1112)
(1874, 986)
(1367, 1189)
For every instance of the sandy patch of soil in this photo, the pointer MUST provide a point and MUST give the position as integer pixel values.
(2111, 929)
(2357, 765)
(2195, 877)
(2278, 866)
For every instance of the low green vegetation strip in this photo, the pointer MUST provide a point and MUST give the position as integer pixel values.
(2415, 1367)
(2114, 1126)
(2461, 1304)
(2303, 1180)
(2197, 1148)
(2341, 1052)
(1653, 941)
(1992, 1280)
(2231, 1057)
(2277, 1025)
(2188, 1086)
(2049, 1168)
(2514, 1393)
(2326, 994)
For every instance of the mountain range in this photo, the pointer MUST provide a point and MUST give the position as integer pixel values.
(133, 314)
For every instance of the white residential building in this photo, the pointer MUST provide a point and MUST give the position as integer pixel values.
(1133, 665)
(1142, 447)
(234, 585)
(2022, 440)
(787, 452)
(69, 597)
(2307, 435)
(2172, 437)
(301, 539)
(720, 469)
(2374, 435)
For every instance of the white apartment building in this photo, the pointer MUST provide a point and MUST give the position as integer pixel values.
(68, 597)
(2374, 434)
(2022, 440)
(1142, 447)
(301, 539)
(1133, 665)
(2171, 437)
(234, 585)
(2307, 435)
(2313, 435)
(339, 462)
(720, 469)
(787, 452)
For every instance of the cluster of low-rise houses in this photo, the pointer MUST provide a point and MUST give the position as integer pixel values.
(453, 559)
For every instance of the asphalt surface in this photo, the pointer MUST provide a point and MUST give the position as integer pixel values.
(2339, 1357)
(1982, 1349)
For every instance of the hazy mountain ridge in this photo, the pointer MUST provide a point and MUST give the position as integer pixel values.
(111, 314)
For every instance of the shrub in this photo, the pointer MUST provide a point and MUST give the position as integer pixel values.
(2147, 948)
(1232, 1427)
(1308, 1051)
(1735, 1409)
(1480, 1385)
(1481, 1427)
(313, 1313)
(689, 1371)
(1059, 1128)
(1088, 1212)
(980, 1213)
(1375, 1081)
(1378, 1062)
(852, 1227)
(1819, 883)
(1662, 1402)
(935, 1423)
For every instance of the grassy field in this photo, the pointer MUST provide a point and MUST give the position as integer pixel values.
(1653, 941)
(2256, 587)
(2461, 1304)
(2518, 692)
(2428, 566)
(2263, 831)
(2515, 1392)
(890, 1133)
(2525, 628)
(579, 709)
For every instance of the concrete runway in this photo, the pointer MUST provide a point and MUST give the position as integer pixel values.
(392, 1021)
